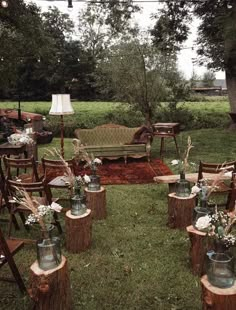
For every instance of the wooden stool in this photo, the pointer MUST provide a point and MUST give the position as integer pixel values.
(78, 231)
(216, 298)
(180, 210)
(197, 250)
(96, 201)
(50, 289)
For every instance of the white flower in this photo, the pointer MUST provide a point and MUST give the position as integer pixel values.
(195, 189)
(87, 179)
(97, 161)
(203, 222)
(56, 207)
(175, 162)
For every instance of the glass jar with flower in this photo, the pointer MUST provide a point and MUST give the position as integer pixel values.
(78, 206)
(94, 184)
(48, 246)
(81, 155)
(201, 209)
(220, 229)
(182, 187)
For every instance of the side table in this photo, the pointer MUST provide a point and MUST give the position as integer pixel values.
(166, 130)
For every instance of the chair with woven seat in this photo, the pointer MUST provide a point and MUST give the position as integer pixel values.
(214, 168)
(43, 197)
(28, 165)
(8, 248)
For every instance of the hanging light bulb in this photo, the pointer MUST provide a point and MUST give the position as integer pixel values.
(4, 4)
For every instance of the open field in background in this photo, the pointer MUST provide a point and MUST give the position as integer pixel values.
(136, 262)
(191, 115)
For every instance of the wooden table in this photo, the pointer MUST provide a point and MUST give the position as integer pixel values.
(191, 177)
(166, 130)
(10, 149)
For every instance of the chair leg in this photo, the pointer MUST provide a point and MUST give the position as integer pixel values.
(176, 145)
(16, 274)
(162, 147)
(23, 220)
(57, 223)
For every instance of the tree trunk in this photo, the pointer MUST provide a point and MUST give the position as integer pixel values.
(231, 87)
(50, 289)
(214, 298)
(180, 210)
(96, 202)
(230, 58)
(81, 227)
(198, 249)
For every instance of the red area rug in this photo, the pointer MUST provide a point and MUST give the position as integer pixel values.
(136, 171)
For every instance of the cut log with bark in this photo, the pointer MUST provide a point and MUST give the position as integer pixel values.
(215, 298)
(78, 231)
(50, 289)
(180, 210)
(96, 201)
(198, 250)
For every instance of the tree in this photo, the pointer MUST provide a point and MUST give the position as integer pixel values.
(216, 34)
(100, 24)
(139, 74)
(208, 79)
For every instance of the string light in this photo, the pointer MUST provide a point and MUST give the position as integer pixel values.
(4, 4)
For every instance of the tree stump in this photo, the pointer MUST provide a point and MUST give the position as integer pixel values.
(50, 289)
(78, 231)
(198, 249)
(215, 298)
(96, 201)
(180, 210)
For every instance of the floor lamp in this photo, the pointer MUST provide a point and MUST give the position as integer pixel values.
(61, 105)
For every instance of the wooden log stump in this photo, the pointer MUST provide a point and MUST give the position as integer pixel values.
(198, 249)
(78, 231)
(96, 201)
(215, 298)
(180, 210)
(50, 289)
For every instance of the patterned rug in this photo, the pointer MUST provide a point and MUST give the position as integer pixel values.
(136, 171)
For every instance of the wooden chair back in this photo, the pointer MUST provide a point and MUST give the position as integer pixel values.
(44, 196)
(8, 248)
(53, 168)
(214, 168)
(15, 165)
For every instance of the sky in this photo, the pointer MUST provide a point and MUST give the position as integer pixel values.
(187, 54)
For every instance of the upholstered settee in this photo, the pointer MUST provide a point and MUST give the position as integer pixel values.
(115, 141)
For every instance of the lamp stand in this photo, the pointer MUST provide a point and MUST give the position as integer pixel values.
(62, 136)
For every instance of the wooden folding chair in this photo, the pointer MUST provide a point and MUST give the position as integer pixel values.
(54, 169)
(8, 248)
(214, 168)
(44, 197)
(14, 167)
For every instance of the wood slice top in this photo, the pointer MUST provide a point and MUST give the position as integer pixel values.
(101, 190)
(192, 177)
(218, 290)
(193, 230)
(68, 214)
(38, 271)
(191, 196)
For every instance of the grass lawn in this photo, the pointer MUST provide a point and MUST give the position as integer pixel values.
(136, 261)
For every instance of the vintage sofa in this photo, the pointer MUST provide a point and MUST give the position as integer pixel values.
(115, 141)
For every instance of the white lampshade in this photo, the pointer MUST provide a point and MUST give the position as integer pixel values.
(61, 105)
